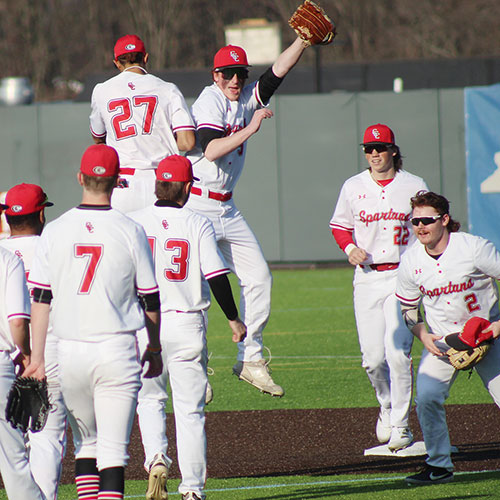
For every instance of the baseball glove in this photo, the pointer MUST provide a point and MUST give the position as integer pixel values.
(312, 25)
(28, 404)
(466, 360)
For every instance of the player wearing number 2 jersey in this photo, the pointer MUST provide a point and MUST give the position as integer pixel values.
(453, 275)
(187, 263)
(144, 118)
(94, 266)
(371, 224)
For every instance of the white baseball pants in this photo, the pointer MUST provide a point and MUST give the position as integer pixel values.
(243, 255)
(47, 447)
(385, 341)
(99, 383)
(434, 380)
(14, 465)
(184, 351)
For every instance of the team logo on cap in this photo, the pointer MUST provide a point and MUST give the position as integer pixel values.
(234, 55)
(376, 133)
(130, 46)
(166, 175)
(98, 170)
(16, 208)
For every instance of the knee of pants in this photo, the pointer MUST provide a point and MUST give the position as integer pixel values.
(373, 362)
(260, 277)
(398, 360)
(429, 395)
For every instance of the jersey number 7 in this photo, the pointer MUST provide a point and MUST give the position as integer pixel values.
(93, 254)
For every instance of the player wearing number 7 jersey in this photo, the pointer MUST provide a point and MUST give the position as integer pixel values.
(188, 265)
(144, 118)
(371, 224)
(94, 266)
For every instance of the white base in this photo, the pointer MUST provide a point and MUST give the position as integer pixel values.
(417, 448)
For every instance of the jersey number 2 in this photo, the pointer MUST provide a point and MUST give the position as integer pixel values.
(471, 301)
(126, 109)
(93, 254)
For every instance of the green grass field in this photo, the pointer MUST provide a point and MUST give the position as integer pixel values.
(316, 359)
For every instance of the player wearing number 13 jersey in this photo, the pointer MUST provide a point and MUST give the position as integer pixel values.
(94, 267)
(371, 224)
(188, 264)
(144, 118)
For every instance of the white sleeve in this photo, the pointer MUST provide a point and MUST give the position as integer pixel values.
(406, 289)
(343, 217)
(97, 125)
(212, 262)
(208, 112)
(487, 257)
(17, 299)
(181, 117)
(40, 271)
(145, 273)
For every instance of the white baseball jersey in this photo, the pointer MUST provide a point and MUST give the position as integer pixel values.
(23, 247)
(455, 287)
(139, 115)
(185, 254)
(214, 110)
(14, 296)
(94, 261)
(378, 216)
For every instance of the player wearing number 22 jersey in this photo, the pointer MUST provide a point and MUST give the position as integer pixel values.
(144, 118)
(371, 224)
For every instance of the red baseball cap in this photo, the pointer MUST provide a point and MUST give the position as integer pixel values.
(25, 199)
(376, 134)
(127, 44)
(175, 168)
(100, 160)
(230, 56)
(471, 335)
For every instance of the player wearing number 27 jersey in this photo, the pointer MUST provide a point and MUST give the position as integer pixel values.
(141, 116)
(371, 224)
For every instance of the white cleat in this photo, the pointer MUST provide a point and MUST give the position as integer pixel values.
(257, 374)
(401, 437)
(383, 428)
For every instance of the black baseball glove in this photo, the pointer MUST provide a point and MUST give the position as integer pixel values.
(28, 404)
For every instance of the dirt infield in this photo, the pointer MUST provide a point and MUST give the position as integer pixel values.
(319, 442)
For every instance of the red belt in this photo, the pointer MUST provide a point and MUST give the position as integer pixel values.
(127, 171)
(212, 194)
(383, 267)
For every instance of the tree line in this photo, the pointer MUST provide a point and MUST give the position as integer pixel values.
(54, 42)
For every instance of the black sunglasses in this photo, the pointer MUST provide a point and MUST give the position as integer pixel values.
(228, 73)
(380, 148)
(425, 220)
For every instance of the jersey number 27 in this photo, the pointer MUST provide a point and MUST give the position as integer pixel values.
(126, 109)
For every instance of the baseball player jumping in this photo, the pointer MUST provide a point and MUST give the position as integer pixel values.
(227, 113)
(187, 262)
(453, 275)
(93, 268)
(25, 211)
(14, 335)
(144, 118)
(371, 225)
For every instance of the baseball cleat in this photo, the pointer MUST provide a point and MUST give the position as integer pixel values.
(401, 437)
(191, 496)
(209, 394)
(257, 374)
(383, 429)
(431, 475)
(157, 484)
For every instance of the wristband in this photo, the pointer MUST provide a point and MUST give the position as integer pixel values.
(153, 350)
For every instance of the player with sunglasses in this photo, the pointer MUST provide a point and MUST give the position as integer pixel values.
(371, 224)
(452, 275)
(227, 113)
